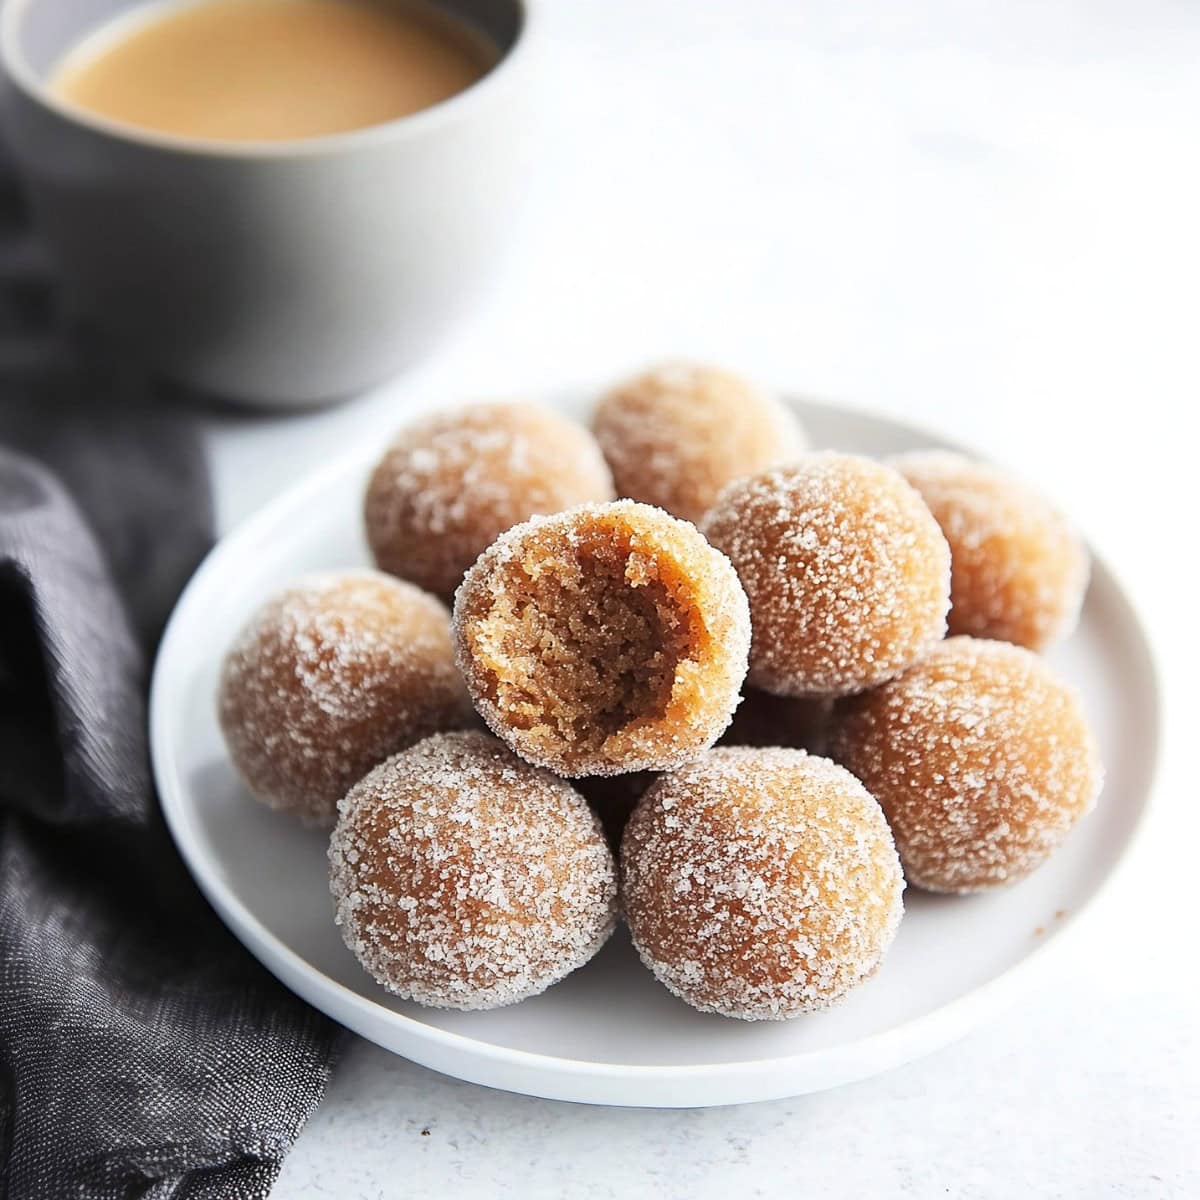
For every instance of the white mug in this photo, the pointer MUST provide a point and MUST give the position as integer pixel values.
(277, 273)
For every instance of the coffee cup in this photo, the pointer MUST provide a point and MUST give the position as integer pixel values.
(282, 273)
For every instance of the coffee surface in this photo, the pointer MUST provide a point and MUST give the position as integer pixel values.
(272, 70)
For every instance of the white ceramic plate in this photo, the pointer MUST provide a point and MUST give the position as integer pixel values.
(609, 1033)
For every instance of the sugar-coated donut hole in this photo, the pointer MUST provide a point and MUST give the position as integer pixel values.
(846, 571)
(606, 639)
(981, 757)
(464, 878)
(1018, 571)
(329, 677)
(676, 434)
(451, 483)
(573, 644)
(760, 883)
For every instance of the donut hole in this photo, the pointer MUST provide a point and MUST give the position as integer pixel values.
(676, 434)
(449, 485)
(760, 883)
(464, 878)
(981, 758)
(582, 646)
(331, 676)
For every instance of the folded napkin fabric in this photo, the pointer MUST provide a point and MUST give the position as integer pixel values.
(143, 1052)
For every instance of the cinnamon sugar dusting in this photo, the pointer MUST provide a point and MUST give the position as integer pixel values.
(328, 678)
(846, 571)
(606, 639)
(451, 483)
(1018, 570)
(760, 883)
(675, 435)
(980, 756)
(464, 878)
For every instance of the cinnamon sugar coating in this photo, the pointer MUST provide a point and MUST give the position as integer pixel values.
(846, 571)
(1018, 571)
(327, 679)
(981, 758)
(464, 878)
(451, 483)
(760, 883)
(605, 639)
(675, 435)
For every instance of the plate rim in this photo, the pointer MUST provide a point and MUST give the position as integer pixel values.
(948, 1021)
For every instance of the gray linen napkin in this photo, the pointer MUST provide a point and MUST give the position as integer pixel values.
(143, 1053)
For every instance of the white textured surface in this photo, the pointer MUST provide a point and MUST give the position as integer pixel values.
(981, 216)
(1038, 1106)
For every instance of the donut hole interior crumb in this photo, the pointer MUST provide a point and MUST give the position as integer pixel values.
(582, 644)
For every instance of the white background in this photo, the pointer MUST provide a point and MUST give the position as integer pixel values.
(984, 217)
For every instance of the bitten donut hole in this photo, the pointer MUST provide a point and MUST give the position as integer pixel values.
(602, 640)
(585, 645)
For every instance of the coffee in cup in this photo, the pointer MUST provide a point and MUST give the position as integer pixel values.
(271, 70)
